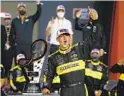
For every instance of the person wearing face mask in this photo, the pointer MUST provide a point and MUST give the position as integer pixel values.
(54, 25)
(96, 75)
(18, 76)
(93, 33)
(23, 28)
(7, 43)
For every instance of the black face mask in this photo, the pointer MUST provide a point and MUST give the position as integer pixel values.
(95, 58)
(7, 29)
(22, 12)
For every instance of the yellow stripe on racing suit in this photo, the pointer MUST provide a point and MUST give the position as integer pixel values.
(122, 77)
(55, 80)
(70, 67)
(94, 74)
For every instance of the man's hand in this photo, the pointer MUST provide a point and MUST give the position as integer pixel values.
(45, 91)
(98, 92)
(93, 13)
(101, 52)
(19, 92)
(78, 14)
(38, 1)
(121, 62)
(52, 22)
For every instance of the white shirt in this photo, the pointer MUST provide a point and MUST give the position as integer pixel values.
(66, 24)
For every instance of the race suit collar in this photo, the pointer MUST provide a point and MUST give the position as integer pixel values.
(65, 51)
(95, 63)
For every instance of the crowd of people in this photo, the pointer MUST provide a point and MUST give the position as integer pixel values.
(72, 69)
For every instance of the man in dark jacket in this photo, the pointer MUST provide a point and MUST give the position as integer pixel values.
(68, 64)
(93, 35)
(119, 68)
(7, 47)
(96, 75)
(23, 28)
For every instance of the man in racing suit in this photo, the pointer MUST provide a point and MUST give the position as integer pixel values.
(17, 76)
(3, 79)
(68, 64)
(96, 75)
(119, 68)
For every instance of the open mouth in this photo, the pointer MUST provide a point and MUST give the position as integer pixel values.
(65, 42)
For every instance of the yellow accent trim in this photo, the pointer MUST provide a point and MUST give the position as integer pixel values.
(70, 67)
(122, 77)
(56, 79)
(20, 79)
(53, 53)
(16, 67)
(1, 65)
(116, 93)
(104, 64)
(86, 90)
(69, 49)
(95, 63)
(12, 84)
(93, 74)
(44, 78)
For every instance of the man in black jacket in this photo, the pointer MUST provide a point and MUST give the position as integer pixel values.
(23, 28)
(7, 48)
(93, 35)
(119, 68)
(67, 62)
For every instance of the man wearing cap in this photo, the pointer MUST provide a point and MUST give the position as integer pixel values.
(7, 43)
(17, 76)
(96, 75)
(67, 62)
(54, 25)
(93, 33)
(23, 28)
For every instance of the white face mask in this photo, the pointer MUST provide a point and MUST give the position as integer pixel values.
(60, 14)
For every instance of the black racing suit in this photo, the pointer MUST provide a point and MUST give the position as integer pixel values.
(55, 83)
(93, 36)
(18, 78)
(120, 86)
(2, 78)
(96, 77)
(23, 31)
(69, 65)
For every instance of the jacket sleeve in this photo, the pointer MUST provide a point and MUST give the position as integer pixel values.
(104, 78)
(77, 25)
(50, 74)
(100, 36)
(12, 79)
(117, 69)
(36, 16)
(12, 36)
